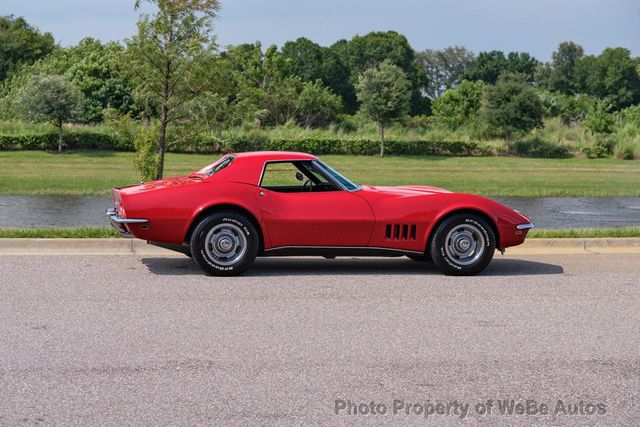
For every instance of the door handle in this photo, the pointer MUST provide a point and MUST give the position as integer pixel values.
(261, 194)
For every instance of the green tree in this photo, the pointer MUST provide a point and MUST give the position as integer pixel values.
(316, 105)
(370, 50)
(560, 74)
(459, 105)
(488, 66)
(169, 57)
(266, 89)
(384, 93)
(51, 99)
(20, 43)
(612, 77)
(97, 70)
(443, 68)
(312, 62)
(306, 58)
(93, 67)
(511, 107)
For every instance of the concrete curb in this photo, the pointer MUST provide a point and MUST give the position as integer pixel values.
(141, 248)
(595, 245)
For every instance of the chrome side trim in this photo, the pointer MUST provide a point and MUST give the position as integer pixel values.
(525, 226)
(114, 217)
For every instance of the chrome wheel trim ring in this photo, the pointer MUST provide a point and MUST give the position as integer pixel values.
(226, 244)
(465, 244)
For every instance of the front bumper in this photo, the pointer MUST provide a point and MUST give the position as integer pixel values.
(120, 223)
(527, 226)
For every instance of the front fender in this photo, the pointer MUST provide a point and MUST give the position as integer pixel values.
(503, 218)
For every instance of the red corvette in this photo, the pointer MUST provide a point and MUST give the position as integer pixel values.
(279, 203)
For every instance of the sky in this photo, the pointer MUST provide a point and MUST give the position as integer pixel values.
(534, 26)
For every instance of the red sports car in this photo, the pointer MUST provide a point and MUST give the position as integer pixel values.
(280, 203)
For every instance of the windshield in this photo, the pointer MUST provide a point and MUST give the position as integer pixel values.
(222, 163)
(348, 185)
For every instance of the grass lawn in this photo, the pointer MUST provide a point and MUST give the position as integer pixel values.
(58, 233)
(95, 172)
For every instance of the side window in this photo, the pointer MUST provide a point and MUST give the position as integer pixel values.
(295, 177)
(281, 175)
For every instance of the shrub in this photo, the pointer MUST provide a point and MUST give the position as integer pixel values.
(511, 107)
(146, 158)
(44, 141)
(599, 150)
(599, 120)
(626, 151)
(630, 115)
(459, 104)
(573, 109)
(536, 147)
(258, 140)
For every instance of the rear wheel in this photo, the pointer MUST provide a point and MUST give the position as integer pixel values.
(224, 244)
(463, 245)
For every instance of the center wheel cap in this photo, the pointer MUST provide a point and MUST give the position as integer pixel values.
(225, 244)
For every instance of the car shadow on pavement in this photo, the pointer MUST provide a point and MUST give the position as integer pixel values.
(348, 266)
(520, 267)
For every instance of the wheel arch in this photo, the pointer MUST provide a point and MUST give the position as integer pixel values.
(226, 207)
(475, 211)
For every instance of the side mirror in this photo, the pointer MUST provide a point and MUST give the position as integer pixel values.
(299, 176)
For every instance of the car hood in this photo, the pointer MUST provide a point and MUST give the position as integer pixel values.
(405, 190)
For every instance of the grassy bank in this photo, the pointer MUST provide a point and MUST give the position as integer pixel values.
(95, 172)
(585, 233)
(106, 232)
(58, 233)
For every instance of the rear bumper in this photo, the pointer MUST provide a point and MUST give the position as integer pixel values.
(120, 223)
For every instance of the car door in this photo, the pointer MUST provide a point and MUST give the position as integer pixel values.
(296, 215)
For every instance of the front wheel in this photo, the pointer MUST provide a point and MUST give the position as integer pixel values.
(463, 245)
(224, 244)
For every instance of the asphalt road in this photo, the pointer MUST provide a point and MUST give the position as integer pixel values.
(119, 340)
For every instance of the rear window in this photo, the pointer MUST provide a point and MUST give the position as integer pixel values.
(222, 163)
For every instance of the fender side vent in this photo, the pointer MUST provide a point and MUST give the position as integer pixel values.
(400, 232)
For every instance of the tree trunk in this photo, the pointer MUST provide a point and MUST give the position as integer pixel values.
(162, 144)
(164, 120)
(381, 140)
(60, 138)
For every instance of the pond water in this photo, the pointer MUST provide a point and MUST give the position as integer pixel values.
(546, 212)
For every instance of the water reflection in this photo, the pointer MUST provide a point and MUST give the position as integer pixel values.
(53, 211)
(577, 212)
